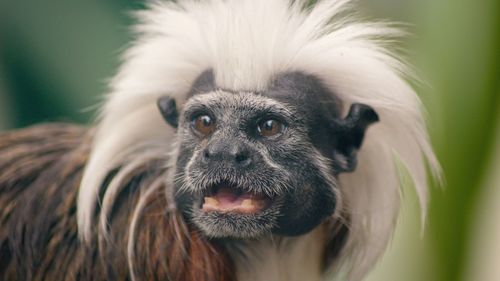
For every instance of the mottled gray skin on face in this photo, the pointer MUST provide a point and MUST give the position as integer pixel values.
(296, 169)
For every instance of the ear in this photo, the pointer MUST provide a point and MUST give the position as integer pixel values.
(168, 110)
(349, 134)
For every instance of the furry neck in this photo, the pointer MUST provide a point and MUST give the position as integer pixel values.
(281, 259)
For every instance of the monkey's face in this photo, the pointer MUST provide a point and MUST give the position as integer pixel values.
(256, 163)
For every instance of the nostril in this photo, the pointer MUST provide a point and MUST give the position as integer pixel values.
(206, 154)
(242, 158)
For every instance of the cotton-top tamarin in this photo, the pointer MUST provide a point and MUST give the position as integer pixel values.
(240, 140)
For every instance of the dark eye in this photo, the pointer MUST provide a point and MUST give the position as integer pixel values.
(270, 128)
(204, 125)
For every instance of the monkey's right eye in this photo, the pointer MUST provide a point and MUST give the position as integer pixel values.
(204, 125)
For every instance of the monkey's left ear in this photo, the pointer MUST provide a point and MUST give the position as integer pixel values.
(349, 134)
(168, 110)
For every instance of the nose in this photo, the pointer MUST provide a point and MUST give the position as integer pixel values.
(233, 154)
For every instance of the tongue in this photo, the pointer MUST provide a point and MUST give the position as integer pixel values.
(229, 200)
(226, 196)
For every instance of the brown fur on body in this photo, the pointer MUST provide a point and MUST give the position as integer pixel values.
(40, 171)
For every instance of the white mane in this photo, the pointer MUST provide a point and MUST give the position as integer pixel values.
(246, 43)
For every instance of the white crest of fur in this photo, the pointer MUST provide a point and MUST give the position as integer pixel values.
(246, 43)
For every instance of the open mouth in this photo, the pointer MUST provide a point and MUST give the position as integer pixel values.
(226, 197)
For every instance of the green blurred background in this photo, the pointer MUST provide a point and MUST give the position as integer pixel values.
(56, 56)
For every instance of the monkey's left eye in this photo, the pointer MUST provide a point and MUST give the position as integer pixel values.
(270, 128)
(204, 125)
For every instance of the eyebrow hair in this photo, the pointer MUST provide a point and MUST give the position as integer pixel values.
(197, 107)
(247, 100)
(276, 110)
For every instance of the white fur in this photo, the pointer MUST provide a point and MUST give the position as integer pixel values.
(246, 42)
(284, 259)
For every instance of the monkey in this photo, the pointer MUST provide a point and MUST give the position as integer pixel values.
(240, 140)
(243, 168)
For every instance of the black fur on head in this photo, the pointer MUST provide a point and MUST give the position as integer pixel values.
(252, 163)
